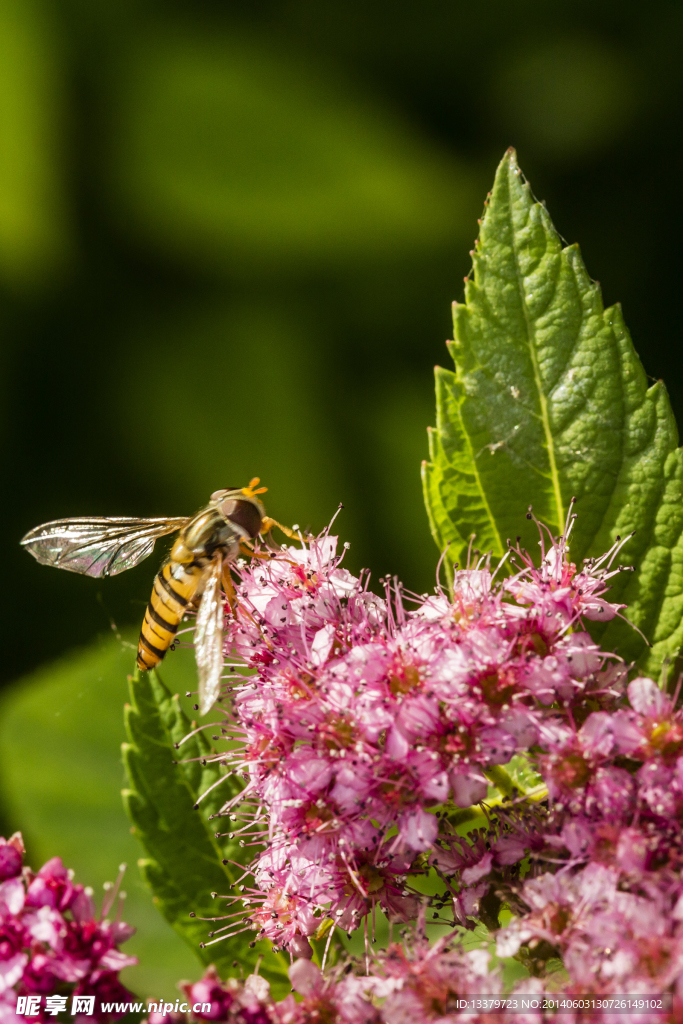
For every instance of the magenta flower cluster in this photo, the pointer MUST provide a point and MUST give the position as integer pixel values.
(51, 939)
(247, 1002)
(415, 983)
(400, 988)
(362, 724)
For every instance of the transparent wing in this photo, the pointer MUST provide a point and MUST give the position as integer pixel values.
(98, 546)
(208, 638)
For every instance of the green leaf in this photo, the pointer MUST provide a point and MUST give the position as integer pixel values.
(548, 401)
(515, 778)
(184, 864)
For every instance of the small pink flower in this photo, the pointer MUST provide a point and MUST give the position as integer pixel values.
(11, 856)
(51, 887)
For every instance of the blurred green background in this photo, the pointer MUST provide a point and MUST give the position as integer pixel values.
(230, 234)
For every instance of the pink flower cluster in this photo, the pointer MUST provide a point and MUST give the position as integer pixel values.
(51, 941)
(423, 984)
(355, 719)
(403, 988)
(247, 1002)
(612, 907)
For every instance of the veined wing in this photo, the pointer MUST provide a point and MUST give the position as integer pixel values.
(208, 638)
(98, 546)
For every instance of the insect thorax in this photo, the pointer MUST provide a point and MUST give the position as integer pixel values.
(218, 528)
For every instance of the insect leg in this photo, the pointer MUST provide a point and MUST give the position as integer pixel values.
(245, 549)
(228, 586)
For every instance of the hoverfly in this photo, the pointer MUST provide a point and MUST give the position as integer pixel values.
(190, 580)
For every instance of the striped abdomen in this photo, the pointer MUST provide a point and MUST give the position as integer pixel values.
(174, 588)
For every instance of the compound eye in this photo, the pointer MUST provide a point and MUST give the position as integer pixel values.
(242, 513)
(217, 495)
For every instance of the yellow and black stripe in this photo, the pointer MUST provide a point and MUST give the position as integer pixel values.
(174, 588)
